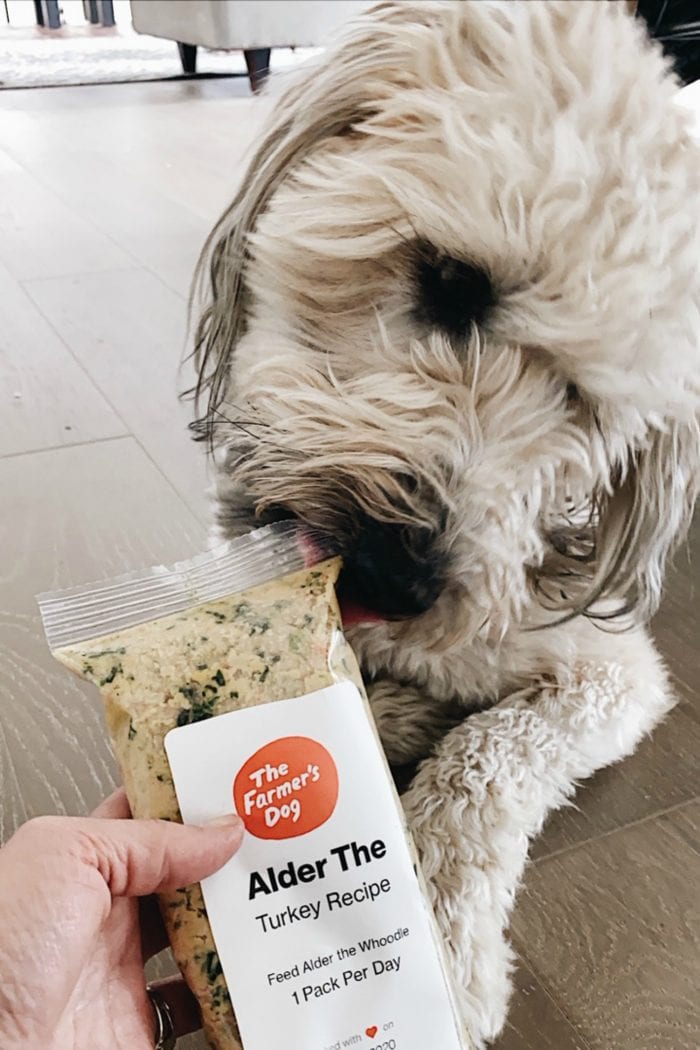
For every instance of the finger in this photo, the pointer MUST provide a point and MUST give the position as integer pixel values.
(153, 935)
(137, 857)
(116, 807)
(132, 858)
(182, 1004)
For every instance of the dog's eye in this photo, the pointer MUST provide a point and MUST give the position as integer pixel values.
(452, 294)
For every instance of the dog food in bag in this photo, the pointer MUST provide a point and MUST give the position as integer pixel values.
(229, 687)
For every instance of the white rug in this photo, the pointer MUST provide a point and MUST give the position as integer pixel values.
(32, 57)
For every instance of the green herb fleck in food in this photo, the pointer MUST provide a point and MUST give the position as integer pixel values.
(220, 998)
(132, 731)
(260, 627)
(211, 966)
(218, 616)
(159, 776)
(120, 651)
(116, 669)
(219, 678)
(201, 667)
(188, 691)
(264, 673)
(202, 708)
(88, 669)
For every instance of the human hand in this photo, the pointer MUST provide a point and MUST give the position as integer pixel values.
(75, 934)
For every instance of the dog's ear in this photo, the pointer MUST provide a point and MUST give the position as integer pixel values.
(218, 291)
(613, 565)
(644, 517)
(332, 98)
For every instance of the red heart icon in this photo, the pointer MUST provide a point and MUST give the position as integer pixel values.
(371, 1032)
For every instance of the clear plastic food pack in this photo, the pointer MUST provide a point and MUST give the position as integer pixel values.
(229, 687)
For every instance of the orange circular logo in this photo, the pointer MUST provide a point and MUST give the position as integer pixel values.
(287, 788)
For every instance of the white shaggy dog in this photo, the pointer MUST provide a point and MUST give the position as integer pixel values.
(453, 317)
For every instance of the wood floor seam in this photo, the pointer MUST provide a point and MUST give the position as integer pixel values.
(542, 860)
(26, 282)
(582, 1043)
(203, 518)
(128, 432)
(128, 333)
(127, 435)
(49, 188)
(93, 382)
(138, 263)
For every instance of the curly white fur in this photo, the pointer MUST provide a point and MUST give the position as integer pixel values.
(550, 451)
(492, 782)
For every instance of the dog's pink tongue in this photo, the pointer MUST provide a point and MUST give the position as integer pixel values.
(353, 613)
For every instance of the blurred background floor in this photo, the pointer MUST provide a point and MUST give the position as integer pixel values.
(106, 194)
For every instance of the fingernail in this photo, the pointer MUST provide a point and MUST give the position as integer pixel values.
(230, 820)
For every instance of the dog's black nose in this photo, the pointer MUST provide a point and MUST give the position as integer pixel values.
(394, 570)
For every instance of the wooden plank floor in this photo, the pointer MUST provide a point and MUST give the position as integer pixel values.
(105, 196)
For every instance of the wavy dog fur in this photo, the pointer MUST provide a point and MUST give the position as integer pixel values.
(457, 295)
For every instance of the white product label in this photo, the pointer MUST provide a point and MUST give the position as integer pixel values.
(323, 933)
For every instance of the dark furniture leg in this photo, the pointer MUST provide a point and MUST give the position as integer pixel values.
(90, 9)
(47, 13)
(107, 13)
(188, 57)
(54, 14)
(257, 61)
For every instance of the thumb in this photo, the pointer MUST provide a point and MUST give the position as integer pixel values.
(137, 857)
